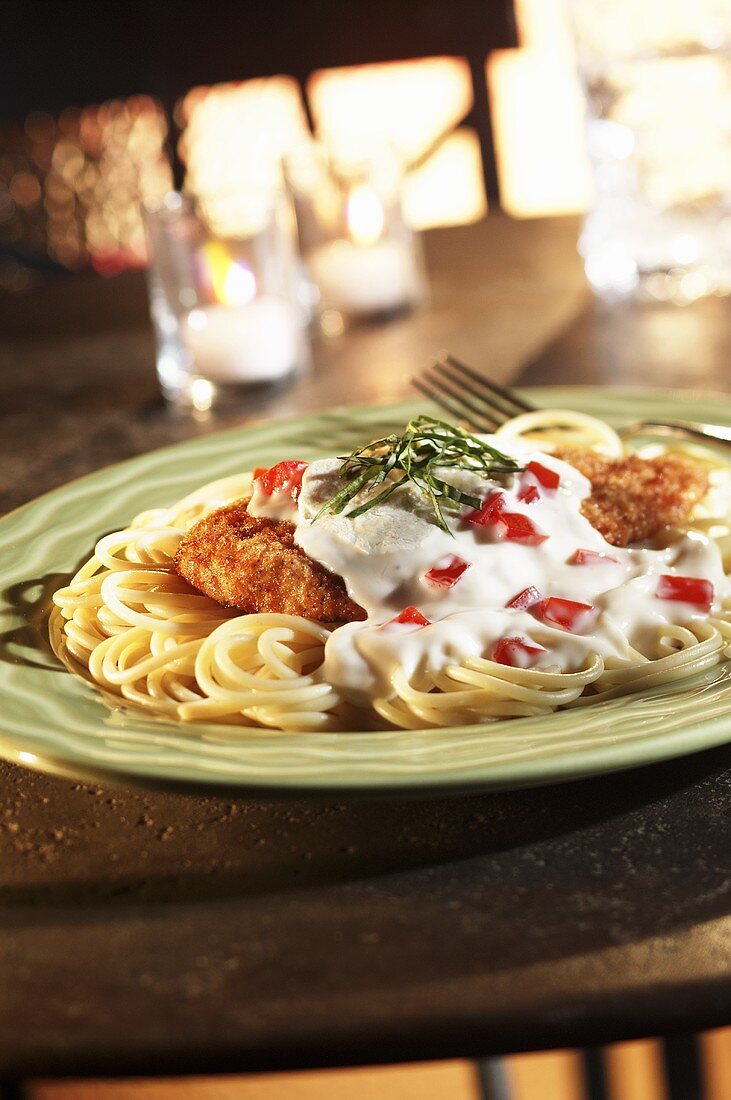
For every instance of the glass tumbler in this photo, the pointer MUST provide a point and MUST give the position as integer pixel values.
(657, 78)
(225, 295)
(363, 261)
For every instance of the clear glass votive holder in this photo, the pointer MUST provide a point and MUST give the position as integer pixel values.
(363, 261)
(225, 295)
(657, 79)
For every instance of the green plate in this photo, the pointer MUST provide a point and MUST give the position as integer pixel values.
(51, 720)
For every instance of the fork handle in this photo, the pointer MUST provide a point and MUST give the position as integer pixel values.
(689, 429)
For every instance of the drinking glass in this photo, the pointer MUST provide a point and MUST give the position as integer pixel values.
(363, 261)
(657, 77)
(225, 295)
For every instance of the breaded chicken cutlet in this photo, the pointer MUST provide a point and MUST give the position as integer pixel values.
(253, 564)
(634, 499)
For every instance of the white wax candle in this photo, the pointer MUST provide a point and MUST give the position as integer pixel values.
(364, 279)
(248, 343)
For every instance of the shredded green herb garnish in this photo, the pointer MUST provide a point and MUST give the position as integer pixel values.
(411, 459)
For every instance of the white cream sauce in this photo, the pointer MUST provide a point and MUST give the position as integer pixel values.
(384, 554)
(280, 505)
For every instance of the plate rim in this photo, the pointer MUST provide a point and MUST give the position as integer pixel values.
(555, 770)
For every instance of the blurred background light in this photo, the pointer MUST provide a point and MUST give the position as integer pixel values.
(626, 28)
(537, 111)
(71, 180)
(408, 104)
(71, 186)
(234, 135)
(414, 106)
(448, 188)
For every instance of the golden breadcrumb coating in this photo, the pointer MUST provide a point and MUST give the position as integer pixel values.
(634, 499)
(253, 564)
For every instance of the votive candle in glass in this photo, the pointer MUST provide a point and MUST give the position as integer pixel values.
(224, 295)
(363, 260)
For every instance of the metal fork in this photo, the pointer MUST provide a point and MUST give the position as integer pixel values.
(484, 406)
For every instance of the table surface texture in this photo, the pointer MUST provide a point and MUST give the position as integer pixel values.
(147, 932)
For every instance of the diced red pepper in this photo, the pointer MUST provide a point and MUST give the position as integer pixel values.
(529, 495)
(285, 475)
(489, 512)
(549, 479)
(447, 571)
(518, 528)
(526, 598)
(693, 590)
(516, 652)
(512, 525)
(590, 557)
(412, 616)
(566, 614)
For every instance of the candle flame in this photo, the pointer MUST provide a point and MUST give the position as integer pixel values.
(364, 213)
(231, 281)
(239, 285)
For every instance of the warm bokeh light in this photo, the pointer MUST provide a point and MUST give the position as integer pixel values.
(685, 154)
(538, 116)
(448, 189)
(105, 161)
(539, 137)
(408, 105)
(72, 186)
(633, 28)
(364, 215)
(538, 105)
(226, 280)
(234, 135)
(239, 286)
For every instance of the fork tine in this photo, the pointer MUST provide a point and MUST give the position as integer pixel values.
(445, 403)
(469, 408)
(515, 404)
(486, 407)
